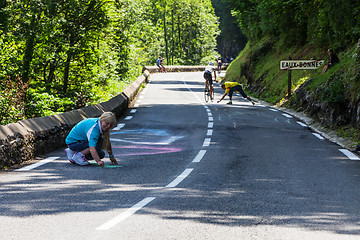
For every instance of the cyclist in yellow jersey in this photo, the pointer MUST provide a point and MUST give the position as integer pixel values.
(230, 88)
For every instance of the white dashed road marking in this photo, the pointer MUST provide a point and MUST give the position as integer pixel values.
(318, 136)
(180, 178)
(111, 223)
(349, 154)
(207, 142)
(35, 165)
(302, 124)
(199, 156)
(119, 126)
(287, 115)
(128, 118)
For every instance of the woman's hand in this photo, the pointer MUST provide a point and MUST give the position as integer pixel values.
(101, 163)
(113, 161)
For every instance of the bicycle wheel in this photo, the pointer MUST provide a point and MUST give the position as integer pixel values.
(206, 94)
(212, 95)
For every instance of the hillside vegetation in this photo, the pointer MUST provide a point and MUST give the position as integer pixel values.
(333, 98)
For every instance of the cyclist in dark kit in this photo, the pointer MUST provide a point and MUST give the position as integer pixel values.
(208, 76)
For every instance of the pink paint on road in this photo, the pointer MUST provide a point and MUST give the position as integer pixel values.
(153, 150)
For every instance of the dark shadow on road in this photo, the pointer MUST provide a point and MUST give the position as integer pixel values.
(151, 150)
(255, 186)
(278, 175)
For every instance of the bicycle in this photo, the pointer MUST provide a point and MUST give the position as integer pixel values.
(207, 94)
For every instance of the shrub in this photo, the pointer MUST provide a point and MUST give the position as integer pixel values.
(12, 96)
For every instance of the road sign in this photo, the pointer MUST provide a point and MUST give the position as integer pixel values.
(300, 64)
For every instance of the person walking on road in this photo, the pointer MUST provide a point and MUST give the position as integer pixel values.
(219, 63)
(88, 138)
(230, 88)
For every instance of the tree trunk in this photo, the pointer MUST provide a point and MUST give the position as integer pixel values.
(29, 50)
(165, 33)
(66, 71)
(179, 33)
(172, 37)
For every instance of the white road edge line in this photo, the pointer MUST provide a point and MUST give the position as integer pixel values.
(318, 136)
(126, 214)
(35, 165)
(180, 178)
(349, 154)
(287, 115)
(199, 156)
(302, 124)
(119, 126)
(193, 93)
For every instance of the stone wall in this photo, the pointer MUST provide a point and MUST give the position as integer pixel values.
(155, 69)
(27, 139)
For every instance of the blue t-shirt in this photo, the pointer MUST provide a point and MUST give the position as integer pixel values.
(87, 130)
(158, 61)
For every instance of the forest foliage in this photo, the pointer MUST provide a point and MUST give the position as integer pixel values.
(278, 29)
(231, 40)
(302, 29)
(299, 22)
(62, 55)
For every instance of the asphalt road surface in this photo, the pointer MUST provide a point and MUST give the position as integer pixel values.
(191, 170)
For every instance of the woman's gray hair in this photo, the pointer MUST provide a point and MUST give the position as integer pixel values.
(108, 117)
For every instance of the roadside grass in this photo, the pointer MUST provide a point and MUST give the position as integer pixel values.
(349, 132)
(113, 89)
(267, 82)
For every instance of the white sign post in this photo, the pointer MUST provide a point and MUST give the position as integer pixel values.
(298, 65)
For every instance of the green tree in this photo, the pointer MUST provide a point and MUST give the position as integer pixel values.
(231, 39)
(297, 22)
(70, 53)
(3, 16)
(189, 31)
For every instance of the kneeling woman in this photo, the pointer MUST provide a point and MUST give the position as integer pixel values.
(88, 138)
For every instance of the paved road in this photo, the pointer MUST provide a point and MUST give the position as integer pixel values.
(191, 170)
